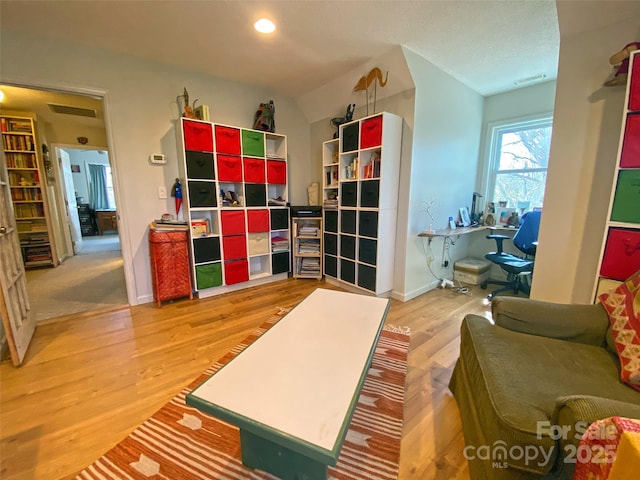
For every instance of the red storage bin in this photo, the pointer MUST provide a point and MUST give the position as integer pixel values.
(236, 271)
(371, 132)
(229, 168)
(234, 246)
(630, 156)
(227, 140)
(254, 171)
(276, 172)
(257, 221)
(197, 136)
(621, 254)
(634, 88)
(232, 222)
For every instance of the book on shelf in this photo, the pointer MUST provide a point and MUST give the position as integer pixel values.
(279, 244)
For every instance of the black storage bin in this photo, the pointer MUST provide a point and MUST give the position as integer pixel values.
(368, 224)
(331, 244)
(206, 249)
(367, 250)
(348, 271)
(200, 165)
(348, 246)
(331, 221)
(202, 194)
(279, 218)
(331, 266)
(367, 277)
(350, 137)
(349, 194)
(280, 262)
(370, 193)
(255, 195)
(348, 221)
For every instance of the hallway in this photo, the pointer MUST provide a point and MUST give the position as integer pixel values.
(92, 280)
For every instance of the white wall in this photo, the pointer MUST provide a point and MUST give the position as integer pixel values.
(81, 179)
(141, 109)
(586, 130)
(446, 136)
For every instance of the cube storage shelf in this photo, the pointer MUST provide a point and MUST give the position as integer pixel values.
(28, 194)
(307, 247)
(360, 193)
(620, 253)
(235, 201)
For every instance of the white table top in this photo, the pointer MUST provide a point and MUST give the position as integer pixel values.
(300, 377)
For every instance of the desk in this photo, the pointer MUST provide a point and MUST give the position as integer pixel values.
(448, 233)
(293, 391)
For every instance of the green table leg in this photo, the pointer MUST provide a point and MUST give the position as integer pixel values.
(262, 454)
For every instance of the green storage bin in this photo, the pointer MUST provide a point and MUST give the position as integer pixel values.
(252, 143)
(208, 276)
(626, 202)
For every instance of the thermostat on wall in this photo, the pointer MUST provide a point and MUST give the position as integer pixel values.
(157, 159)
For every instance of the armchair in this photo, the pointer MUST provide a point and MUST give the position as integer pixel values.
(517, 268)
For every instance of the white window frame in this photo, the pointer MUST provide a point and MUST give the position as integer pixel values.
(492, 149)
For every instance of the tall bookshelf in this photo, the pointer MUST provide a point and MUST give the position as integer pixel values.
(360, 183)
(236, 203)
(620, 254)
(28, 194)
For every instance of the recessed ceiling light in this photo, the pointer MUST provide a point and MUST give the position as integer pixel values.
(264, 25)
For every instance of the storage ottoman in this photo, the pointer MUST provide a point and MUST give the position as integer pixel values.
(471, 270)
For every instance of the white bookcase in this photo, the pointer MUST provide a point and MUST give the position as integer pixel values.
(235, 198)
(359, 236)
(307, 247)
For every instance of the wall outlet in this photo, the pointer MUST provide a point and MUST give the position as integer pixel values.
(162, 192)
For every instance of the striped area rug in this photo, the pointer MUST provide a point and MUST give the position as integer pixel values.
(180, 442)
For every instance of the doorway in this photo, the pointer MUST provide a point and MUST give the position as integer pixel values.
(90, 275)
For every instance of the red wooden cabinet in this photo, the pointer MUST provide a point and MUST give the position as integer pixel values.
(232, 222)
(198, 136)
(254, 170)
(276, 172)
(371, 132)
(229, 168)
(227, 139)
(622, 254)
(257, 221)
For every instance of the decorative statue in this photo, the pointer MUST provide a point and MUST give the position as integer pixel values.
(620, 62)
(375, 77)
(265, 119)
(187, 110)
(176, 192)
(337, 121)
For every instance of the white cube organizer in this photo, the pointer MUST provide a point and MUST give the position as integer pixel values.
(471, 270)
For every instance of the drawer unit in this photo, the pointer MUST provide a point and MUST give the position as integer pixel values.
(232, 222)
(350, 138)
(626, 201)
(348, 271)
(254, 170)
(331, 266)
(208, 276)
(371, 132)
(255, 195)
(634, 87)
(234, 247)
(331, 243)
(348, 246)
(348, 221)
(206, 249)
(200, 165)
(367, 250)
(349, 194)
(622, 254)
(236, 271)
(367, 277)
(276, 172)
(280, 262)
(252, 143)
(279, 219)
(227, 139)
(229, 168)
(368, 224)
(202, 194)
(369, 193)
(331, 221)
(630, 157)
(198, 136)
(257, 221)
(259, 243)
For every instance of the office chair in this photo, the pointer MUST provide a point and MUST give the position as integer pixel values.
(517, 268)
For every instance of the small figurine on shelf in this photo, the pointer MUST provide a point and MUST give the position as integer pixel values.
(265, 119)
(620, 62)
(337, 121)
(187, 110)
(176, 191)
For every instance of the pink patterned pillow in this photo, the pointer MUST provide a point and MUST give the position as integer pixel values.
(623, 307)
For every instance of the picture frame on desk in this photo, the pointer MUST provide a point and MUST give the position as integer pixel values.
(464, 217)
(503, 214)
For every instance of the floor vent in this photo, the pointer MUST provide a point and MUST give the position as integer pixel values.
(69, 110)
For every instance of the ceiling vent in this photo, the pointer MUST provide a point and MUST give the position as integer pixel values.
(69, 110)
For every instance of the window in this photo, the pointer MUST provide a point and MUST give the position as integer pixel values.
(518, 161)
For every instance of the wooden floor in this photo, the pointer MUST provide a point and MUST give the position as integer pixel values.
(89, 380)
